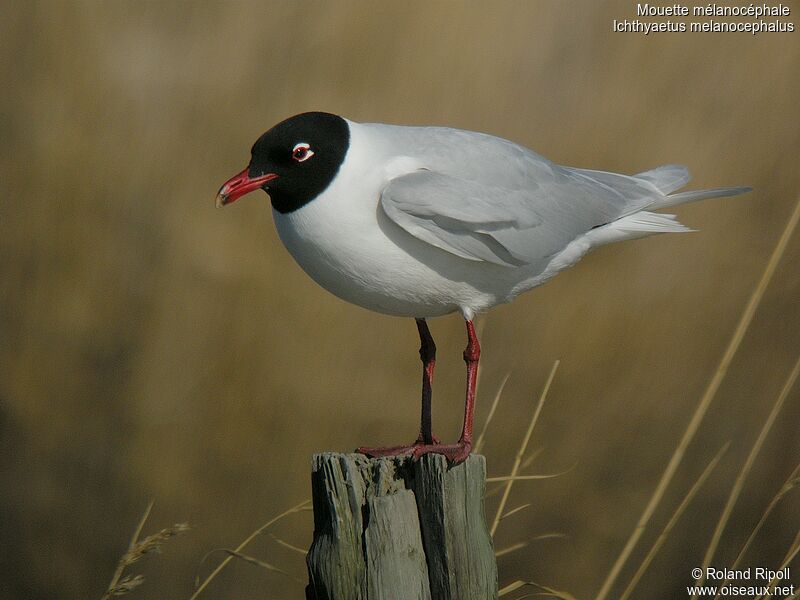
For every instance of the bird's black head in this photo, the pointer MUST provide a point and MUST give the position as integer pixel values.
(294, 162)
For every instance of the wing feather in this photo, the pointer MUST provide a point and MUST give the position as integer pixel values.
(509, 227)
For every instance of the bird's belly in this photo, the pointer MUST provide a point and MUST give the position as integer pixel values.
(362, 263)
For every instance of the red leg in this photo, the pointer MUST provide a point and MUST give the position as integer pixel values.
(427, 353)
(472, 355)
(459, 451)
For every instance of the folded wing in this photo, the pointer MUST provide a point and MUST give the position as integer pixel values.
(511, 227)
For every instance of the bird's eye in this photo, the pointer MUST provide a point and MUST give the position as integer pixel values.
(302, 152)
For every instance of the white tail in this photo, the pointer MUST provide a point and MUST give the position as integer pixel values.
(696, 195)
(669, 178)
(642, 223)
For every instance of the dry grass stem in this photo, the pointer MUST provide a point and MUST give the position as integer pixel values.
(125, 586)
(115, 580)
(525, 477)
(295, 509)
(136, 550)
(793, 551)
(549, 536)
(495, 402)
(525, 544)
(511, 587)
(516, 510)
(510, 549)
(791, 482)
(258, 563)
(746, 468)
(153, 543)
(672, 521)
(286, 544)
(705, 401)
(496, 489)
(523, 448)
(547, 591)
(500, 480)
(530, 460)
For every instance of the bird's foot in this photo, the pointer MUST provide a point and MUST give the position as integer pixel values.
(383, 451)
(454, 453)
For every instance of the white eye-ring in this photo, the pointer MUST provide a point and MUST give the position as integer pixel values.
(302, 152)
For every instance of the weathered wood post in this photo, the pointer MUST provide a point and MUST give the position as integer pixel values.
(392, 528)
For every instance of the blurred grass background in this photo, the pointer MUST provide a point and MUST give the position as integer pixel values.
(153, 347)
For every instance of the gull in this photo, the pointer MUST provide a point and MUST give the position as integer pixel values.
(426, 221)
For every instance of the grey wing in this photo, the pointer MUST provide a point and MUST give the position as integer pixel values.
(509, 227)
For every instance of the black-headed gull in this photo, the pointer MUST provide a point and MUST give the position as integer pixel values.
(425, 221)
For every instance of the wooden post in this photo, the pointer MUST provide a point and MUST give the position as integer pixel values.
(395, 529)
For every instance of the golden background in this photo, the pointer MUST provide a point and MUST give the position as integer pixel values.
(154, 347)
